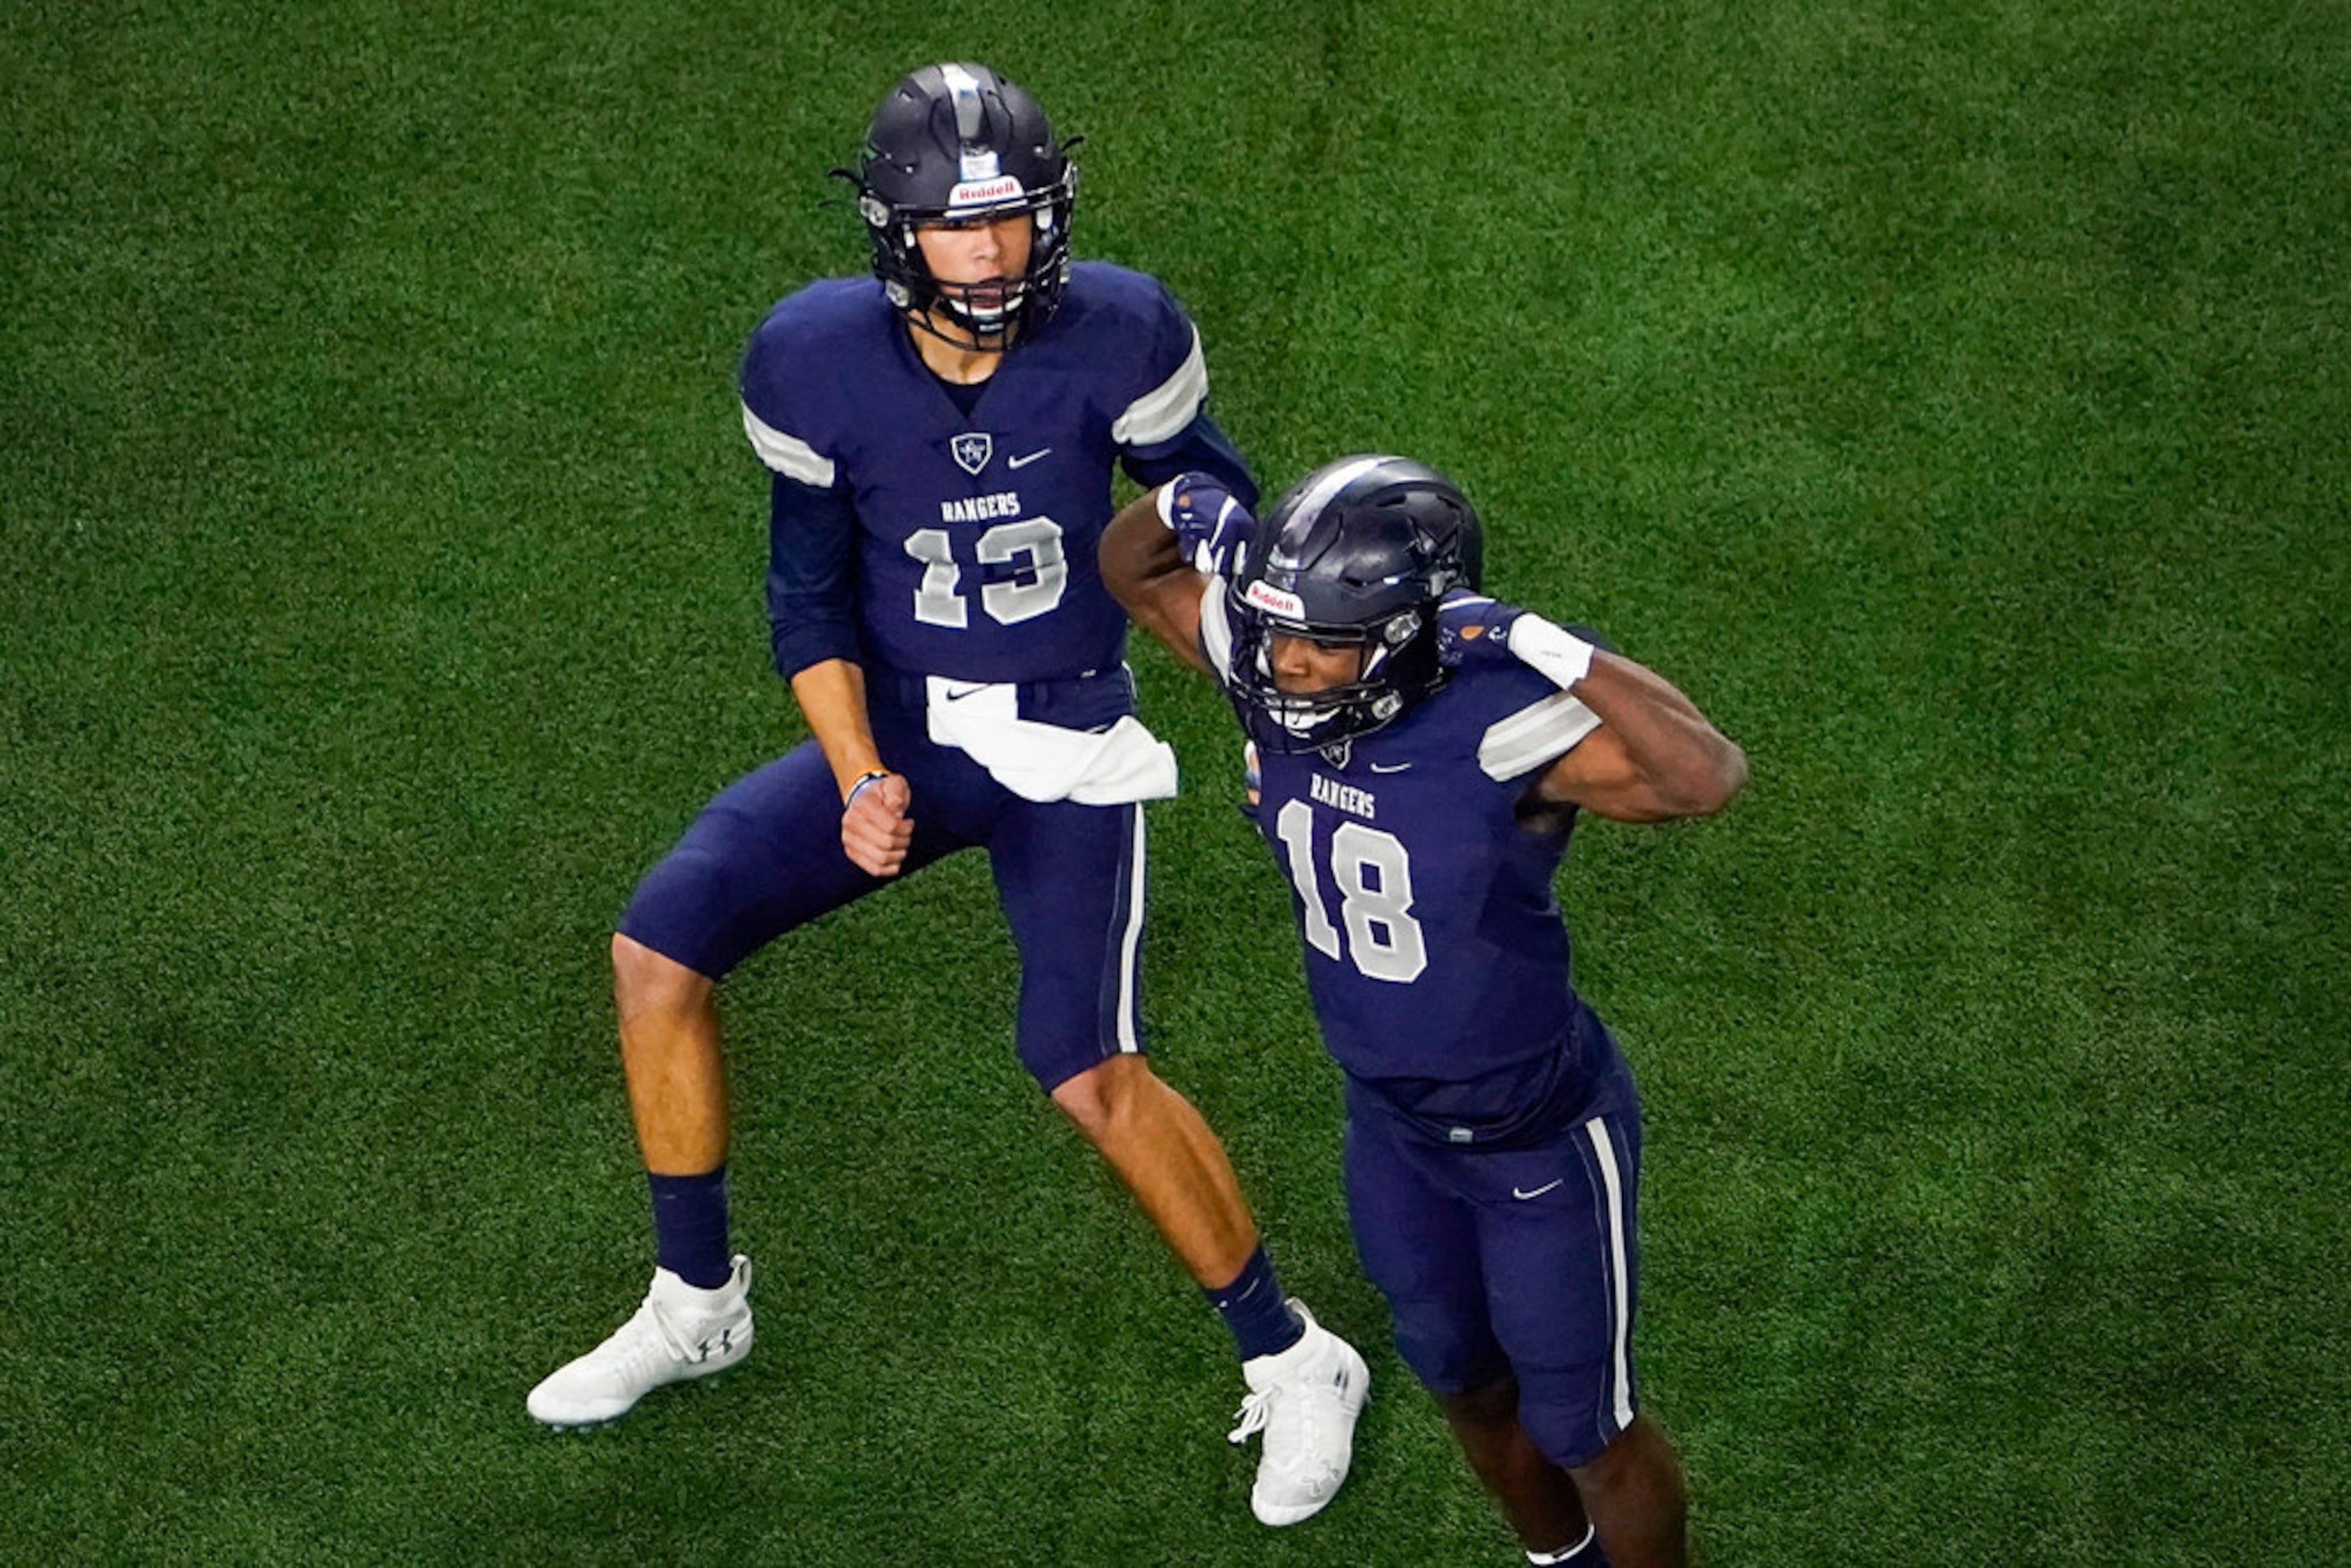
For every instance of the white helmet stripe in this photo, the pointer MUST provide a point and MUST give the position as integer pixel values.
(965, 90)
(1333, 482)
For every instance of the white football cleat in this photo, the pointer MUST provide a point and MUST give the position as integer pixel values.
(1305, 1400)
(679, 1332)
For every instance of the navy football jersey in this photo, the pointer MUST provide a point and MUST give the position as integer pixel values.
(973, 549)
(1435, 954)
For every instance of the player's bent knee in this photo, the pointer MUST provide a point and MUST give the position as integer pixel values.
(1492, 1404)
(1446, 1363)
(1099, 1099)
(647, 981)
(1640, 1459)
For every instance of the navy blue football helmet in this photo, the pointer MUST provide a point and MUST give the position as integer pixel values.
(953, 143)
(1358, 554)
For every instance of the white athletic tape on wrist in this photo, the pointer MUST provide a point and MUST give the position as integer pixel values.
(1558, 652)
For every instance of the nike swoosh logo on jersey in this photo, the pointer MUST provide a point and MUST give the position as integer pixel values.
(1390, 766)
(959, 697)
(1024, 462)
(1538, 1192)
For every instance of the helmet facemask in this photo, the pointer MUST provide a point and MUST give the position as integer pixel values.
(1396, 665)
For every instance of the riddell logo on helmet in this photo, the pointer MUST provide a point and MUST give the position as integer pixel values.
(1268, 597)
(974, 193)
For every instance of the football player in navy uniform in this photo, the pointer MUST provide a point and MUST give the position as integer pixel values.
(1420, 753)
(942, 437)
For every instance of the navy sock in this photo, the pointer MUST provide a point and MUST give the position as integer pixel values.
(690, 1227)
(1254, 1309)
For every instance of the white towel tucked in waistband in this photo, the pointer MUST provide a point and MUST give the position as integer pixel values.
(1043, 761)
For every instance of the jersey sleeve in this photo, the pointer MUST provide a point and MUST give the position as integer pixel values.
(1542, 725)
(811, 523)
(1534, 736)
(1174, 384)
(781, 430)
(1164, 429)
(811, 541)
(1202, 447)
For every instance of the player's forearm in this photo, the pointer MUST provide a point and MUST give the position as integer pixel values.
(831, 694)
(1137, 551)
(1145, 572)
(1689, 768)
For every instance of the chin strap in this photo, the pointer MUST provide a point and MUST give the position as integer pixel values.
(971, 342)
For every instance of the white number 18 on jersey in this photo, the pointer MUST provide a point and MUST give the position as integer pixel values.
(1373, 875)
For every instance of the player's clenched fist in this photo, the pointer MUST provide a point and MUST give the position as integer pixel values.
(1211, 528)
(875, 830)
(1469, 621)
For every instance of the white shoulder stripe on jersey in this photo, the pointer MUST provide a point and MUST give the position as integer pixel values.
(1168, 407)
(1216, 631)
(787, 454)
(1535, 736)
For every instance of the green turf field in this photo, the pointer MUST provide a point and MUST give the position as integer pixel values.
(1941, 394)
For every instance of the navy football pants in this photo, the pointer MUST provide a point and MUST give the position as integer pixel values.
(765, 857)
(1521, 1261)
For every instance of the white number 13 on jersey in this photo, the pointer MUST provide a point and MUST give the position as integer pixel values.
(1374, 878)
(939, 601)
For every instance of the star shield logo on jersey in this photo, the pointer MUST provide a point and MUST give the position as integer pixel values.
(971, 451)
